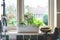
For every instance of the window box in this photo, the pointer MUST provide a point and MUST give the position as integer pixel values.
(27, 28)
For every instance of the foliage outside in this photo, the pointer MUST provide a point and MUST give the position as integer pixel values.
(30, 19)
(11, 15)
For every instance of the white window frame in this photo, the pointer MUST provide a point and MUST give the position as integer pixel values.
(52, 12)
(52, 16)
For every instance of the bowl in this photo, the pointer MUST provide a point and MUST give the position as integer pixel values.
(46, 29)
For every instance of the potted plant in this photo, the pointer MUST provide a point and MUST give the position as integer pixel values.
(21, 26)
(30, 23)
(26, 27)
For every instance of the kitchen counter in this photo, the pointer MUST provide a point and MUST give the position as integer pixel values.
(14, 35)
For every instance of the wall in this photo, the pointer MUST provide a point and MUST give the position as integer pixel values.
(58, 13)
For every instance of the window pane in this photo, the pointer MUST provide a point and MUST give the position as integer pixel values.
(11, 11)
(38, 9)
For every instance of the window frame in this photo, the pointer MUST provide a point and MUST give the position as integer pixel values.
(20, 11)
(52, 16)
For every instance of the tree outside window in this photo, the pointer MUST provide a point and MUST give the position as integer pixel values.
(11, 12)
(36, 10)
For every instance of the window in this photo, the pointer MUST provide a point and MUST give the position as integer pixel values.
(49, 4)
(18, 9)
(11, 12)
(38, 9)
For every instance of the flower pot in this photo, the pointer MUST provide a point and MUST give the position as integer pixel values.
(27, 28)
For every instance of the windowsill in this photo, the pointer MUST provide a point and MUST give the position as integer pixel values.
(14, 32)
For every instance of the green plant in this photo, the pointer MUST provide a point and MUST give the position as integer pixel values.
(32, 20)
(22, 23)
(29, 18)
(38, 23)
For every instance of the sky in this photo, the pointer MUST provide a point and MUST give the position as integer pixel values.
(8, 2)
(33, 3)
